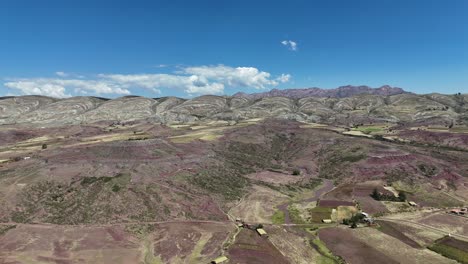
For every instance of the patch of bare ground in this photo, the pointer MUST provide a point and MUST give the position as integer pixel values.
(68, 245)
(438, 219)
(194, 243)
(391, 229)
(361, 193)
(259, 205)
(249, 247)
(342, 242)
(396, 249)
(131, 243)
(450, 223)
(296, 248)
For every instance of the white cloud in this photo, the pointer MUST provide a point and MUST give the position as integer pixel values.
(234, 77)
(192, 80)
(58, 87)
(284, 78)
(190, 84)
(292, 45)
(61, 74)
(32, 87)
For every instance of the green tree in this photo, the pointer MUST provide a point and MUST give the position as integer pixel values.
(375, 194)
(402, 197)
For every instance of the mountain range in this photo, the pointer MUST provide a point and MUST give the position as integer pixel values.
(344, 105)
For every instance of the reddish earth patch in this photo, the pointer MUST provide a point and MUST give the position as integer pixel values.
(342, 243)
(457, 140)
(252, 248)
(64, 245)
(440, 220)
(361, 193)
(371, 206)
(334, 203)
(53, 260)
(342, 193)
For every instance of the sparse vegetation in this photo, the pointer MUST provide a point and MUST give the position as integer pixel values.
(228, 183)
(295, 215)
(4, 229)
(278, 217)
(326, 255)
(319, 213)
(427, 170)
(388, 197)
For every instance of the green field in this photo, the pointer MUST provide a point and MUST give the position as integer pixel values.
(278, 217)
(369, 129)
(320, 213)
(451, 248)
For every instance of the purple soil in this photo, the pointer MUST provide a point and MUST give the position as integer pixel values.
(334, 203)
(392, 230)
(252, 248)
(343, 243)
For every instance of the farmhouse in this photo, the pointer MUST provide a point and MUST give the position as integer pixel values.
(219, 260)
(261, 232)
(412, 203)
(455, 211)
(327, 221)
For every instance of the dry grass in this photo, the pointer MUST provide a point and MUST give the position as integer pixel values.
(356, 133)
(294, 247)
(259, 206)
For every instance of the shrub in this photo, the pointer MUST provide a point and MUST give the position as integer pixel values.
(116, 188)
(44, 146)
(296, 172)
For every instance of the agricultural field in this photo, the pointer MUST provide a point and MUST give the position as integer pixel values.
(249, 247)
(370, 245)
(155, 193)
(451, 248)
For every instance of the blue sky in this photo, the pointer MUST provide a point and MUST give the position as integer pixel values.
(187, 48)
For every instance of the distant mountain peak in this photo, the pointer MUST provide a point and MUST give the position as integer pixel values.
(340, 92)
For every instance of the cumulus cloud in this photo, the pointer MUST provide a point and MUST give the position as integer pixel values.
(292, 45)
(234, 77)
(61, 74)
(191, 80)
(37, 88)
(59, 87)
(200, 79)
(283, 78)
(190, 84)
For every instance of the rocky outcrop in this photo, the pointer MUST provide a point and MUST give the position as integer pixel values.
(374, 105)
(340, 92)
